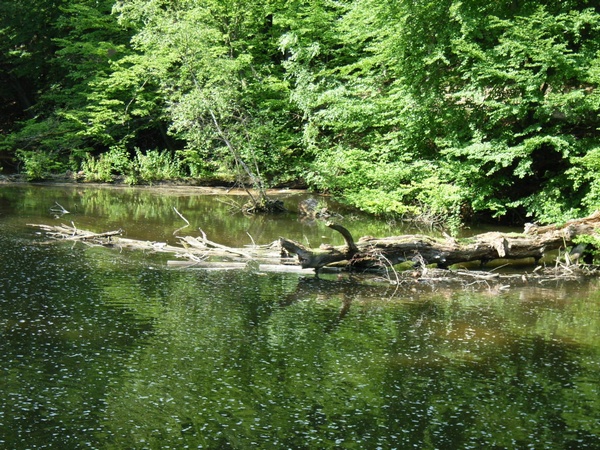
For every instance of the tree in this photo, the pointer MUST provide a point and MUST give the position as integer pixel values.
(492, 113)
(223, 93)
(26, 40)
(82, 38)
(368, 89)
(528, 97)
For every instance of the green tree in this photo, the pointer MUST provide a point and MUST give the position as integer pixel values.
(221, 83)
(528, 93)
(494, 112)
(369, 88)
(25, 42)
(82, 38)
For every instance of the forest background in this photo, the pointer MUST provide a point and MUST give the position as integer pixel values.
(408, 108)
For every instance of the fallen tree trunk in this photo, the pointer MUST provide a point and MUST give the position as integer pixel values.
(371, 252)
(368, 253)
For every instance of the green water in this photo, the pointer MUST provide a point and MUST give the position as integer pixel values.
(108, 349)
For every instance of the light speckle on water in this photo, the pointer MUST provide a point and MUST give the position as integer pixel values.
(103, 349)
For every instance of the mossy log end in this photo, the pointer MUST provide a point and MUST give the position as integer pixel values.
(371, 252)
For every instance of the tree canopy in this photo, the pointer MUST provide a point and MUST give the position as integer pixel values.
(440, 110)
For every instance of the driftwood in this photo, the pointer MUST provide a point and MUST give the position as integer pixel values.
(73, 234)
(197, 246)
(196, 251)
(369, 253)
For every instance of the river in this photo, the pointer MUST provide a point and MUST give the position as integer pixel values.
(108, 349)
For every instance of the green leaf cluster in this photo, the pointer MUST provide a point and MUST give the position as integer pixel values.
(531, 107)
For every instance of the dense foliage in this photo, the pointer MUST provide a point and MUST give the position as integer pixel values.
(441, 110)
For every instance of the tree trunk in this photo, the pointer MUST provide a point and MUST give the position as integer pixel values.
(370, 252)
(367, 253)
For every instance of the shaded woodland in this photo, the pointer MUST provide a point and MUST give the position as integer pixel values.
(492, 115)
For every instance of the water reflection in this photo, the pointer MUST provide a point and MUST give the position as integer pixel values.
(109, 350)
(261, 369)
(150, 214)
(60, 346)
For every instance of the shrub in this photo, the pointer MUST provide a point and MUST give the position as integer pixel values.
(107, 166)
(154, 165)
(38, 165)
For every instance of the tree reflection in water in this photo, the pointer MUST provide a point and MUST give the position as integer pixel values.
(102, 349)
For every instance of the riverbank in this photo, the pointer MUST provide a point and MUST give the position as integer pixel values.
(183, 186)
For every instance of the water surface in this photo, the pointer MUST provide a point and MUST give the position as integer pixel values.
(105, 349)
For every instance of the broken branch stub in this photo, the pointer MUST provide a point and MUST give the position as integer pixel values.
(311, 258)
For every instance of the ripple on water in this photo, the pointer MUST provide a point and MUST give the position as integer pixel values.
(102, 350)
